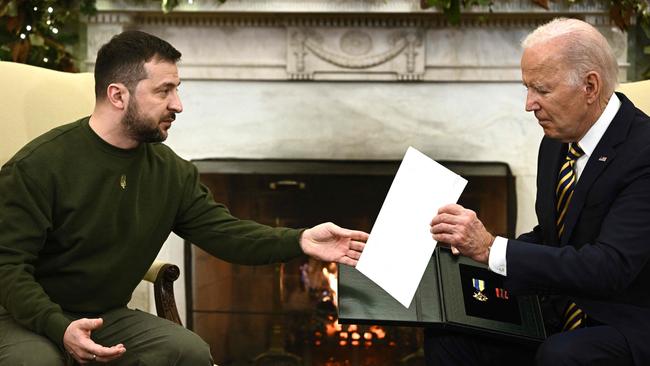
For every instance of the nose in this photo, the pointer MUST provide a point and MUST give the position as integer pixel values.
(175, 104)
(531, 101)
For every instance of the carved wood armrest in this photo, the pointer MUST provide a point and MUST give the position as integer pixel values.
(163, 275)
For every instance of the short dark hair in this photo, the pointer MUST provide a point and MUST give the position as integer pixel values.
(122, 59)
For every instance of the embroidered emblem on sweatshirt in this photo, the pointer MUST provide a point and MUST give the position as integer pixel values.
(123, 181)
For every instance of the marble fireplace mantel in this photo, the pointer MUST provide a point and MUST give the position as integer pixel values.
(349, 80)
(378, 40)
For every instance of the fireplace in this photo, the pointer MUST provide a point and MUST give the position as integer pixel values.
(285, 314)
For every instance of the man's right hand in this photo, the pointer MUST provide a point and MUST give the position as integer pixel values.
(81, 347)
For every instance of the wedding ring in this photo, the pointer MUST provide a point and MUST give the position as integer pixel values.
(94, 357)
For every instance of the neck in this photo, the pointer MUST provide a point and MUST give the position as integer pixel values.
(594, 114)
(109, 128)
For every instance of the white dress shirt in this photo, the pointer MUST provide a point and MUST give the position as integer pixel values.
(497, 259)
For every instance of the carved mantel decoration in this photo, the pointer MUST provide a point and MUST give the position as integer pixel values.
(374, 52)
(347, 40)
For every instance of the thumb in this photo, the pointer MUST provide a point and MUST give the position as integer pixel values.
(338, 231)
(91, 324)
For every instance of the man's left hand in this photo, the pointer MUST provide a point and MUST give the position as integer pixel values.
(330, 243)
(463, 231)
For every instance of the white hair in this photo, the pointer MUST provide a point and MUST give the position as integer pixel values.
(584, 50)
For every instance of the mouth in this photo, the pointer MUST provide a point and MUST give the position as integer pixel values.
(168, 120)
(541, 120)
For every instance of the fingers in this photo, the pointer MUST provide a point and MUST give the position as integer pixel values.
(90, 324)
(83, 357)
(447, 218)
(443, 228)
(454, 214)
(82, 348)
(97, 353)
(357, 245)
(450, 240)
(353, 254)
(348, 261)
(106, 354)
(359, 235)
(450, 234)
(453, 209)
(352, 234)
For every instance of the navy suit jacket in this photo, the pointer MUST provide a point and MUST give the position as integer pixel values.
(602, 260)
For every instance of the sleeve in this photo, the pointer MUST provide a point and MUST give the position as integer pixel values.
(497, 259)
(534, 236)
(210, 225)
(608, 265)
(25, 218)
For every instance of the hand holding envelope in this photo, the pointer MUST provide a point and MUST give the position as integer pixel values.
(400, 243)
(463, 231)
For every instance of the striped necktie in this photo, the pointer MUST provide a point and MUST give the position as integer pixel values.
(566, 184)
(574, 317)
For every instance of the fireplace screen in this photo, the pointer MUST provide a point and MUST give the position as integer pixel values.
(286, 314)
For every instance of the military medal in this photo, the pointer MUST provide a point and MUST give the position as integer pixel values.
(479, 286)
(502, 293)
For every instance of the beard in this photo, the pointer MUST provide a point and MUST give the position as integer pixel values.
(142, 128)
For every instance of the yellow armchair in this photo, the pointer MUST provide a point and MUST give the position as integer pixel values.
(35, 100)
(639, 93)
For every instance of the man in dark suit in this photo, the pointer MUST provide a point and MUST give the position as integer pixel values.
(588, 257)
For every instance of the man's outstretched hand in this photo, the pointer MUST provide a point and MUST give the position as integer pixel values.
(81, 347)
(330, 243)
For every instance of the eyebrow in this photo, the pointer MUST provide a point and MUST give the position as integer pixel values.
(168, 84)
(534, 84)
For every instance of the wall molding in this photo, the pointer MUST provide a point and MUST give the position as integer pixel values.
(317, 39)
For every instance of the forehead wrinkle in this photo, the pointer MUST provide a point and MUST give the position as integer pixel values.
(542, 70)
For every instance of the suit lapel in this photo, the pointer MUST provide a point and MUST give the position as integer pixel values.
(592, 170)
(551, 154)
(602, 156)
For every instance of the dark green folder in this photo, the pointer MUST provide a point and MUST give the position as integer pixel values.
(455, 292)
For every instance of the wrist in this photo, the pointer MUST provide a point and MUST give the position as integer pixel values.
(490, 242)
(302, 240)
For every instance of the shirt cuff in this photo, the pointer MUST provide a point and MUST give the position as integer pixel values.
(497, 259)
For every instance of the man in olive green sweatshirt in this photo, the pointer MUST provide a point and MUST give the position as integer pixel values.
(99, 196)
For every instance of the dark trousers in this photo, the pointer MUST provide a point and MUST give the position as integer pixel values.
(593, 346)
(149, 340)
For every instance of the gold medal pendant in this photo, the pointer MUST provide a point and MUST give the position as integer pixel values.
(479, 286)
(123, 181)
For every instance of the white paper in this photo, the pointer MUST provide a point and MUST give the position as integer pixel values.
(400, 243)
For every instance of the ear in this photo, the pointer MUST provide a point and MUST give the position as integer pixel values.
(593, 86)
(118, 95)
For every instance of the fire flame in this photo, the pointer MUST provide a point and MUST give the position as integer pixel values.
(350, 334)
(332, 280)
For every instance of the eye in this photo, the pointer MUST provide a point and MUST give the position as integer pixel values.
(541, 90)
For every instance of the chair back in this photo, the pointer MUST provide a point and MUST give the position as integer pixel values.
(639, 93)
(35, 100)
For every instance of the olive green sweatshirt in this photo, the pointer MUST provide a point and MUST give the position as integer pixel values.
(81, 221)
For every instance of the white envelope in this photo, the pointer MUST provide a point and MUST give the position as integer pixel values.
(400, 243)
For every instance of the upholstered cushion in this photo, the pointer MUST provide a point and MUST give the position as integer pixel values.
(639, 93)
(35, 100)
